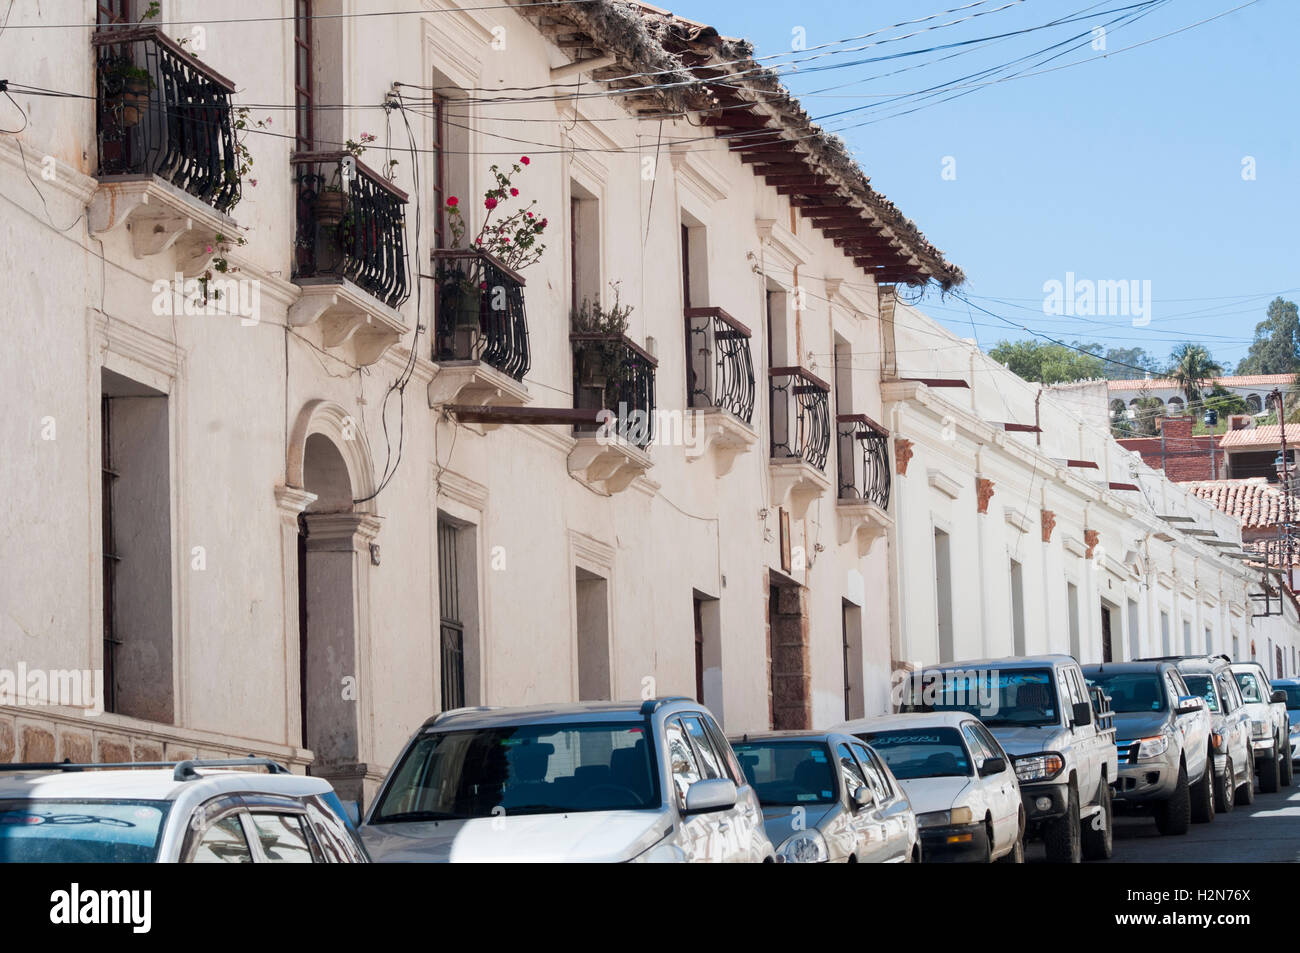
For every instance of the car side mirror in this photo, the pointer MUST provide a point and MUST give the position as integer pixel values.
(1189, 704)
(1081, 714)
(863, 796)
(714, 794)
(992, 766)
(1278, 697)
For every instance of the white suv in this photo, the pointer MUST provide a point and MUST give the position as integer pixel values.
(167, 812)
(591, 781)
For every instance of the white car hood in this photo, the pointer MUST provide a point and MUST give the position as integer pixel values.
(544, 838)
(935, 794)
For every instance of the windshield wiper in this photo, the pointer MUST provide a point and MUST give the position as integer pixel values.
(418, 816)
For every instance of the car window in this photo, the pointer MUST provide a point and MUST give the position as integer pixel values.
(789, 772)
(681, 759)
(709, 759)
(1203, 685)
(333, 839)
(991, 743)
(1228, 689)
(913, 753)
(864, 759)
(223, 843)
(724, 749)
(851, 773)
(1179, 683)
(283, 838)
(1249, 685)
(881, 774)
(978, 752)
(1172, 687)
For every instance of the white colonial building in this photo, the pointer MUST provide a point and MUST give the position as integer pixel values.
(362, 480)
(1022, 527)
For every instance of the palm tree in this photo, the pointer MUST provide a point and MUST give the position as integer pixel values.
(1190, 368)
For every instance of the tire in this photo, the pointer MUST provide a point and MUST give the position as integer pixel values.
(1269, 774)
(988, 841)
(1223, 793)
(1245, 795)
(1288, 766)
(1100, 844)
(1203, 794)
(1062, 837)
(915, 856)
(1017, 854)
(1174, 816)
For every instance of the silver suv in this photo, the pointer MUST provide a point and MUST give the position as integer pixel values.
(1270, 727)
(587, 781)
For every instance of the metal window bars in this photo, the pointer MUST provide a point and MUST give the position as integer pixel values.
(719, 365)
(160, 111)
(480, 312)
(862, 448)
(801, 423)
(351, 224)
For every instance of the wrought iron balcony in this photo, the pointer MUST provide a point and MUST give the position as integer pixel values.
(801, 421)
(480, 312)
(719, 366)
(351, 225)
(162, 112)
(610, 372)
(863, 452)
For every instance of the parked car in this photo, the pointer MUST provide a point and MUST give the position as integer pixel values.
(1163, 737)
(1270, 727)
(960, 782)
(1064, 753)
(1234, 769)
(587, 781)
(200, 811)
(825, 797)
(1291, 686)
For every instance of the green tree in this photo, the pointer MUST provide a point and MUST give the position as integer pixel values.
(1046, 363)
(1276, 348)
(1191, 367)
(1125, 363)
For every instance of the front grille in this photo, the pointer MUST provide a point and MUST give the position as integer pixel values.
(1128, 751)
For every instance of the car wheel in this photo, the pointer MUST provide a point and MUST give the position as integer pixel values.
(1246, 792)
(1100, 844)
(1269, 774)
(1288, 766)
(1203, 794)
(1223, 789)
(1062, 836)
(988, 841)
(915, 856)
(1174, 816)
(1017, 853)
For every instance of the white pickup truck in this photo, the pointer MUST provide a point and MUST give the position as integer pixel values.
(1059, 735)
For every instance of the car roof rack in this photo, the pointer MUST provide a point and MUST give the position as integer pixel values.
(182, 770)
(652, 705)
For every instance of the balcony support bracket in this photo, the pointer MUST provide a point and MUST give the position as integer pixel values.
(476, 384)
(159, 216)
(607, 464)
(864, 520)
(351, 323)
(796, 484)
(720, 433)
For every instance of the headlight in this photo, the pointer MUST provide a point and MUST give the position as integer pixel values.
(806, 847)
(958, 815)
(1258, 729)
(1153, 747)
(1039, 767)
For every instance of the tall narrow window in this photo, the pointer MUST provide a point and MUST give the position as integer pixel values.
(304, 101)
(593, 636)
(584, 245)
(1017, 607)
(1106, 648)
(107, 477)
(453, 625)
(851, 649)
(437, 116)
(943, 594)
(1135, 645)
(109, 12)
(1187, 637)
(686, 266)
(699, 651)
(1072, 603)
(1166, 646)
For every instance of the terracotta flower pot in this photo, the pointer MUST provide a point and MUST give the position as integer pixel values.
(331, 206)
(131, 103)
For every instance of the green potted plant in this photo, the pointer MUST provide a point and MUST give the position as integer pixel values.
(127, 89)
(601, 363)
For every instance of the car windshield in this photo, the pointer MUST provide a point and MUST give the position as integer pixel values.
(921, 752)
(1130, 691)
(1203, 685)
(788, 772)
(1292, 696)
(523, 769)
(1250, 687)
(58, 830)
(1025, 696)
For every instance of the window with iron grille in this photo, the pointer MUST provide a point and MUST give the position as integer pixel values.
(452, 621)
(437, 105)
(304, 104)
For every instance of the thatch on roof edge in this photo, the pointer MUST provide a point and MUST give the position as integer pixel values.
(636, 33)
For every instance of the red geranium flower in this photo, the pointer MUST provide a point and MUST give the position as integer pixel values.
(514, 192)
(453, 201)
(489, 203)
(524, 159)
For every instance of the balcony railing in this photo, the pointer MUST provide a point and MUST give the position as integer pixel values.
(801, 421)
(863, 451)
(162, 112)
(719, 367)
(480, 312)
(351, 224)
(610, 372)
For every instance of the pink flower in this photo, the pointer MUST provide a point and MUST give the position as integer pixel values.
(514, 192)
(268, 120)
(489, 203)
(253, 182)
(453, 202)
(524, 159)
(208, 249)
(530, 214)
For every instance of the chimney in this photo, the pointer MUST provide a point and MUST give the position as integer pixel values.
(1176, 428)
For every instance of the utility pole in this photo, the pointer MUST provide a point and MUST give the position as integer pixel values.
(1285, 475)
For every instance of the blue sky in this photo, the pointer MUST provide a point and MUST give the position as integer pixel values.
(1129, 167)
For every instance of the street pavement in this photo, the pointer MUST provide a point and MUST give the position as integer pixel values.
(1266, 832)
